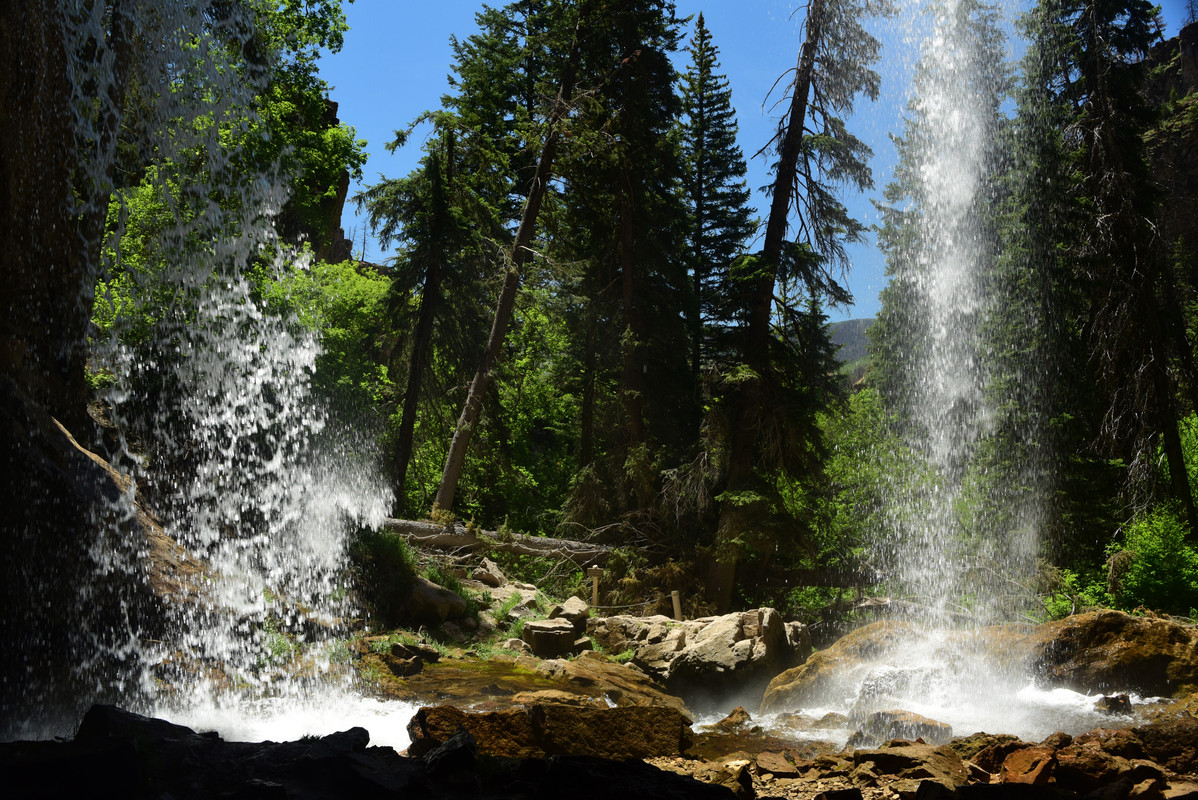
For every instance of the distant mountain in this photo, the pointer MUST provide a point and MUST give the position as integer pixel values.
(850, 337)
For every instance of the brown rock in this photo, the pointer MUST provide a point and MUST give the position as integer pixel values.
(910, 760)
(489, 574)
(738, 720)
(551, 729)
(403, 667)
(776, 764)
(575, 611)
(1086, 766)
(1113, 704)
(431, 604)
(809, 683)
(1032, 765)
(970, 746)
(1172, 742)
(1111, 650)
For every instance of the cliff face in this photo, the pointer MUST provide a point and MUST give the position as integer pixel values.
(1173, 144)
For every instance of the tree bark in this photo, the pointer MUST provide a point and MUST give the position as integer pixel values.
(457, 538)
(506, 303)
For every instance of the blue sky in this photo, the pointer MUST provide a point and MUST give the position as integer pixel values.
(396, 58)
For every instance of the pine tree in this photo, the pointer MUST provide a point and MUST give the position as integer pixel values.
(720, 220)
(815, 155)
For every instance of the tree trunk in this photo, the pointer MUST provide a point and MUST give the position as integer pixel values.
(506, 304)
(747, 404)
(417, 365)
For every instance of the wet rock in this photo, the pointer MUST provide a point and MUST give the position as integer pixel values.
(1111, 650)
(488, 573)
(991, 757)
(812, 681)
(738, 720)
(968, 747)
(416, 650)
(549, 638)
(403, 667)
(123, 755)
(1114, 704)
(1172, 742)
(907, 760)
(882, 726)
(551, 729)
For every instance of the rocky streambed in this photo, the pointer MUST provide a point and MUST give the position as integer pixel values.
(640, 706)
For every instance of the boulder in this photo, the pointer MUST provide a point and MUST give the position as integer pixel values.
(429, 604)
(574, 611)
(708, 660)
(549, 638)
(488, 573)
(882, 726)
(816, 678)
(1110, 651)
(554, 729)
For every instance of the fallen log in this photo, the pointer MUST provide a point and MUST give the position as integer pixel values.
(456, 538)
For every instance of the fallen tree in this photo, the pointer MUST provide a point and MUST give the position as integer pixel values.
(458, 540)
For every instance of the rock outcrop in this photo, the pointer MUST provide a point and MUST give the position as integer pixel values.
(710, 660)
(120, 754)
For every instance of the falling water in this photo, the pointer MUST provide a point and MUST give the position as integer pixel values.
(961, 542)
(212, 409)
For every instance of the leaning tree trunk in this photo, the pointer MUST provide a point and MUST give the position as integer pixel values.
(506, 304)
(748, 401)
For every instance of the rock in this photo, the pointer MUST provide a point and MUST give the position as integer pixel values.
(809, 683)
(429, 604)
(776, 764)
(582, 645)
(593, 674)
(711, 660)
(119, 754)
(422, 651)
(546, 730)
(1111, 650)
(489, 573)
(916, 762)
(549, 638)
(516, 645)
(1032, 765)
(738, 720)
(574, 610)
(882, 726)
(1113, 704)
(403, 667)
(1171, 742)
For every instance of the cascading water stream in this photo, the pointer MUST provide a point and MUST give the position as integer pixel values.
(211, 403)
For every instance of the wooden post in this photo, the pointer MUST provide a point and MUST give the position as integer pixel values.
(677, 605)
(595, 573)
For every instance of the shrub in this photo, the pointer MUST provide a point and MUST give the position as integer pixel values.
(383, 568)
(1162, 572)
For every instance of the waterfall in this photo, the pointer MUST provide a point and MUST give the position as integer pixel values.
(209, 396)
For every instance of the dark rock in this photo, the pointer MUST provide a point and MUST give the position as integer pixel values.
(840, 794)
(738, 720)
(1171, 742)
(545, 730)
(124, 755)
(1111, 650)
(421, 651)
(1114, 704)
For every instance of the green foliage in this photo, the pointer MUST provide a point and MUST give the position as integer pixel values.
(346, 305)
(1071, 592)
(383, 568)
(1162, 571)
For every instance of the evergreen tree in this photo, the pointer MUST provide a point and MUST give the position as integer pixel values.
(816, 154)
(720, 220)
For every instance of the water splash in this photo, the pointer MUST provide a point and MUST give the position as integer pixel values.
(212, 408)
